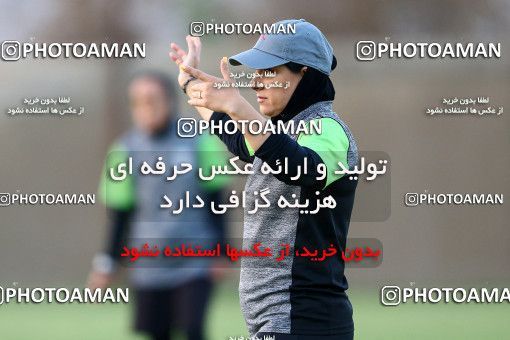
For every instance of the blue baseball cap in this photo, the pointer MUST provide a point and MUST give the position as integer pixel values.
(306, 46)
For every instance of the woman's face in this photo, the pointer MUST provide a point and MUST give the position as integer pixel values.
(149, 105)
(272, 100)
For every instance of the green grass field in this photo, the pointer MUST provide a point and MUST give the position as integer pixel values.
(372, 320)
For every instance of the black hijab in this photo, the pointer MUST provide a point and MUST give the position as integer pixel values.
(314, 87)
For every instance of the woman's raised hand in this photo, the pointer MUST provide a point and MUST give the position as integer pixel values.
(217, 94)
(190, 58)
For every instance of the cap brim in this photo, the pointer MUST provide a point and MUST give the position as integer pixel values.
(256, 59)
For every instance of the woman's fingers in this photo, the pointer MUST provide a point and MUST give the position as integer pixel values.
(196, 73)
(191, 46)
(196, 94)
(196, 102)
(224, 69)
(178, 50)
(199, 86)
(194, 50)
(197, 45)
(189, 41)
(175, 57)
(199, 90)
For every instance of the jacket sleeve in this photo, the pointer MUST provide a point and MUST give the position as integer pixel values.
(329, 147)
(235, 142)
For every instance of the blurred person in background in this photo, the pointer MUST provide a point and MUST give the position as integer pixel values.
(301, 299)
(171, 296)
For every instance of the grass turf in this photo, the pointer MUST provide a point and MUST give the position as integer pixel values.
(372, 320)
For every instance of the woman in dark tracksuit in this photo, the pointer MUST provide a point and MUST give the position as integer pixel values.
(298, 298)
